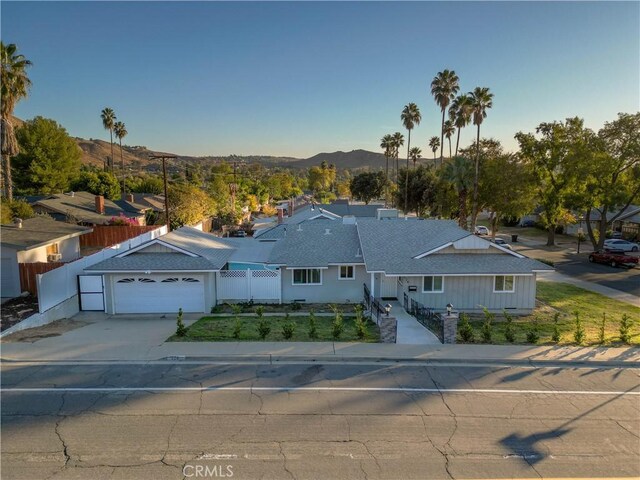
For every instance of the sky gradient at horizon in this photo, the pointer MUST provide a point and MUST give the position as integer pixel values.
(296, 79)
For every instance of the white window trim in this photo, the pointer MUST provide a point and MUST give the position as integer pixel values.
(513, 283)
(433, 291)
(346, 278)
(293, 270)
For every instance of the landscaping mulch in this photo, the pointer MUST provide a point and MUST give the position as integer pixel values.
(17, 309)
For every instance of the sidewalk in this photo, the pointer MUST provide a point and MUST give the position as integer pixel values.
(593, 287)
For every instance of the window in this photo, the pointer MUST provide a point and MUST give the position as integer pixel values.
(433, 284)
(190, 280)
(52, 249)
(170, 280)
(126, 280)
(504, 283)
(307, 276)
(146, 280)
(347, 272)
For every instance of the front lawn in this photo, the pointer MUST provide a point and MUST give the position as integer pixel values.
(221, 329)
(566, 299)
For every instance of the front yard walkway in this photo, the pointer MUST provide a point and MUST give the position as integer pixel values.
(410, 331)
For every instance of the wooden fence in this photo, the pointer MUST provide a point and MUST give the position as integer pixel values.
(28, 272)
(107, 235)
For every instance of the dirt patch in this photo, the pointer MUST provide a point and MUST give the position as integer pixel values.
(16, 310)
(53, 329)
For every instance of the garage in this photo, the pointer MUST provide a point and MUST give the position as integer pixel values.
(136, 293)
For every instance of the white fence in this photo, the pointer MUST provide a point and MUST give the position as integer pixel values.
(58, 285)
(245, 285)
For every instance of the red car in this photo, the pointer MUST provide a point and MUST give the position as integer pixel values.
(614, 258)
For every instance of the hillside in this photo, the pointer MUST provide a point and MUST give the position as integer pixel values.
(353, 160)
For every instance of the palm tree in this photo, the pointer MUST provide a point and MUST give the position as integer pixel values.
(444, 88)
(459, 172)
(415, 154)
(460, 114)
(434, 143)
(398, 141)
(481, 101)
(449, 130)
(410, 117)
(121, 131)
(108, 120)
(386, 143)
(15, 86)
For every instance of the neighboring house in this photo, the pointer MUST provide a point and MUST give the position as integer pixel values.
(318, 261)
(88, 209)
(627, 221)
(38, 239)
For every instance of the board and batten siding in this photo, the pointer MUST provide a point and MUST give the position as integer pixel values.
(471, 293)
(332, 290)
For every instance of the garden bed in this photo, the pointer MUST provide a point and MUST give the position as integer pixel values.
(566, 299)
(221, 329)
(248, 307)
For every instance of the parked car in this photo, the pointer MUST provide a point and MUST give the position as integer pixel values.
(614, 258)
(527, 223)
(616, 235)
(238, 233)
(481, 230)
(502, 243)
(618, 244)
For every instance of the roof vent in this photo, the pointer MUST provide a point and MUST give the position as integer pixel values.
(18, 222)
(299, 229)
(72, 194)
(349, 220)
(327, 231)
(358, 253)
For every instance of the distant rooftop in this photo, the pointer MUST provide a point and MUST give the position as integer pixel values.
(39, 231)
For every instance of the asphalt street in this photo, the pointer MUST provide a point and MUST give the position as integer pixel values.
(300, 421)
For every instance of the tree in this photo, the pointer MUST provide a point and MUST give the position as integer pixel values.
(449, 130)
(368, 186)
(147, 184)
(434, 143)
(49, 158)
(415, 153)
(410, 117)
(9, 210)
(188, 205)
(121, 131)
(481, 101)
(557, 159)
(444, 87)
(460, 114)
(459, 174)
(387, 145)
(421, 187)
(14, 86)
(398, 141)
(108, 121)
(98, 183)
(613, 174)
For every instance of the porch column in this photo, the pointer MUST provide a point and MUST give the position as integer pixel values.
(373, 285)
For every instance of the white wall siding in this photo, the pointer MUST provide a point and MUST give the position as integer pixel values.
(9, 273)
(69, 248)
(331, 290)
(471, 293)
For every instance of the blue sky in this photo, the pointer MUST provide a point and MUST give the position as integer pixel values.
(300, 78)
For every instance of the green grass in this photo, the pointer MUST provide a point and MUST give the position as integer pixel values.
(220, 329)
(566, 299)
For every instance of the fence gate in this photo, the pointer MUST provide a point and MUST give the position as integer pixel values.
(246, 285)
(91, 290)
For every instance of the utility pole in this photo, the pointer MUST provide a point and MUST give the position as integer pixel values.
(164, 159)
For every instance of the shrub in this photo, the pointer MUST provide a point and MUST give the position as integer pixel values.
(555, 336)
(486, 330)
(236, 309)
(295, 306)
(247, 306)
(260, 311)
(337, 326)
(509, 334)
(216, 309)
(313, 329)
(603, 324)
(578, 335)
(625, 326)
(288, 328)
(465, 330)
(264, 328)
(181, 330)
(360, 322)
(532, 334)
(237, 328)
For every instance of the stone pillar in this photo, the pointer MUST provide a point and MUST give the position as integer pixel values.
(450, 327)
(388, 329)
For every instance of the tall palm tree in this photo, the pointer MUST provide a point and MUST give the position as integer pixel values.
(449, 130)
(434, 143)
(410, 117)
(481, 101)
(15, 86)
(398, 141)
(386, 143)
(108, 121)
(415, 154)
(444, 87)
(459, 172)
(460, 114)
(121, 131)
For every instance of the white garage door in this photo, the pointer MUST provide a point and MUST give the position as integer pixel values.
(158, 293)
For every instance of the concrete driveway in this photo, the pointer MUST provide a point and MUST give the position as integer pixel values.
(100, 337)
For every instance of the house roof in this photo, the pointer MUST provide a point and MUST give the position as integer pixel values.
(154, 262)
(217, 250)
(631, 214)
(308, 245)
(250, 250)
(39, 231)
(81, 206)
(471, 264)
(150, 201)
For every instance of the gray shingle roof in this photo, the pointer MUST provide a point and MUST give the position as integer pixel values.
(154, 262)
(81, 206)
(38, 231)
(469, 263)
(307, 245)
(215, 249)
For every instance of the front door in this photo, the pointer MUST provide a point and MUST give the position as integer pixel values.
(389, 287)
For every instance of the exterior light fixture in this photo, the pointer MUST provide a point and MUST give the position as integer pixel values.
(387, 308)
(449, 308)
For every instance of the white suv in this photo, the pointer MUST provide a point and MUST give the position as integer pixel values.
(481, 230)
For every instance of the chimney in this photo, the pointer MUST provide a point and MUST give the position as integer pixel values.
(18, 222)
(291, 207)
(280, 215)
(129, 197)
(100, 204)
